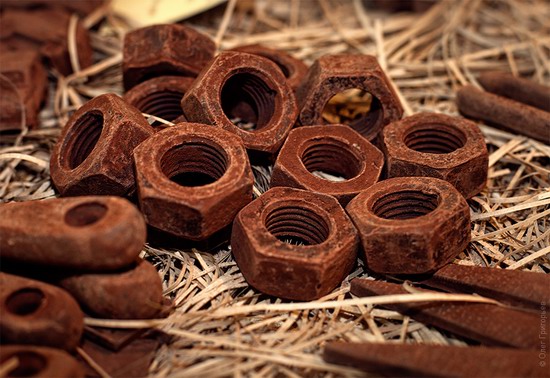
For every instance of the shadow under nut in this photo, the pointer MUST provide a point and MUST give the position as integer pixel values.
(37, 313)
(94, 152)
(324, 245)
(410, 225)
(437, 145)
(135, 293)
(80, 233)
(337, 150)
(245, 86)
(40, 362)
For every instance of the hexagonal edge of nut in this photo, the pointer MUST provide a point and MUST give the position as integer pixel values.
(414, 245)
(202, 103)
(192, 212)
(109, 134)
(465, 167)
(290, 170)
(293, 271)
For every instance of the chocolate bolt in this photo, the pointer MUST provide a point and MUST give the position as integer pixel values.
(514, 287)
(435, 360)
(487, 323)
(84, 233)
(522, 90)
(39, 362)
(132, 294)
(36, 313)
(504, 113)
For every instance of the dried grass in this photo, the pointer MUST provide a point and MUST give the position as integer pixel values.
(222, 326)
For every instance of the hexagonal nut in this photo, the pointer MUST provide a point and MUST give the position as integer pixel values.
(410, 225)
(437, 145)
(294, 69)
(294, 244)
(192, 179)
(333, 74)
(94, 153)
(241, 86)
(162, 50)
(337, 150)
(160, 97)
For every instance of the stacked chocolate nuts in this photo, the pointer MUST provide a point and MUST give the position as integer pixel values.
(400, 199)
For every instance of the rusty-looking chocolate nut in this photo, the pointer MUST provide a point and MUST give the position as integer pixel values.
(23, 84)
(294, 69)
(192, 179)
(84, 233)
(39, 362)
(94, 153)
(294, 244)
(410, 225)
(247, 87)
(34, 312)
(333, 74)
(337, 150)
(437, 145)
(161, 50)
(132, 294)
(160, 96)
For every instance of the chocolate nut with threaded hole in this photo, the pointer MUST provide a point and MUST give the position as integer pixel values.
(162, 50)
(192, 179)
(410, 225)
(160, 96)
(337, 150)
(294, 244)
(135, 293)
(294, 69)
(39, 362)
(94, 153)
(437, 145)
(80, 233)
(37, 313)
(237, 85)
(334, 74)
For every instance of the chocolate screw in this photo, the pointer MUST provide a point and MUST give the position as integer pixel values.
(487, 323)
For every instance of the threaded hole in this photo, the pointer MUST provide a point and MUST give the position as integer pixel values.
(405, 204)
(435, 139)
(194, 164)
(248, 101)
(356, 108)
(164, 104)
(332, 157)
(85, 214)
(25, 301)
(29, 364)
(295, 225)
(83, 138)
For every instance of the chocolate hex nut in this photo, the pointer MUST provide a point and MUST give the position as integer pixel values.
(410, 225)
(437, 145)
(23, 88)
(192, 179)
(135, 293)
(248, 87)
(37, 313)
(160, 96)
(294, 244)
(162, 50)
(337, 150)
(294, 69)
(40, 362)
(333, 74)
(82, 233)
(94, 152)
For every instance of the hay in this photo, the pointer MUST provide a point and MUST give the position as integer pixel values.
(222, 326)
